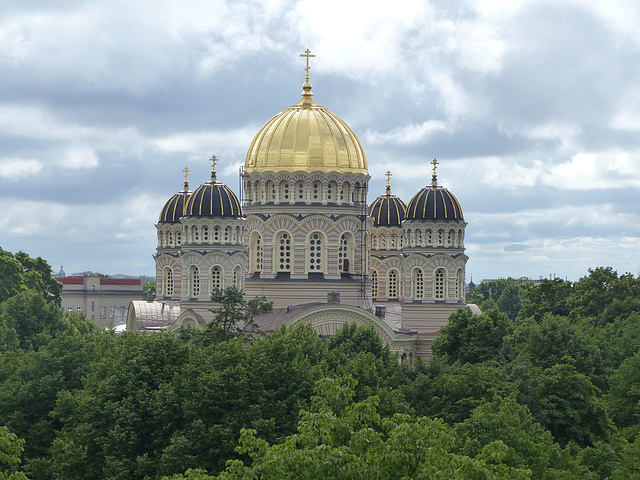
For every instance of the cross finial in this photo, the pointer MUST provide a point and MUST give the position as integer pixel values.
(214, 160)
(388, 175)
(434, 180)
(186, 174)
(307, 54)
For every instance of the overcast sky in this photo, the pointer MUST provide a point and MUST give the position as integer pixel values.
(532, 109)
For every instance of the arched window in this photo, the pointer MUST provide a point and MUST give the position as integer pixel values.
(316, 252)
(227, 234)
(194, 281)
(238, 277)
(216, 279)
(345, 253)
(271, 192)
(440, 236)
(439, 284)
(196, 234)
(344, 188)
(284, 192)
(316, 191)
(255, 252)
(374, 284)
(216, 233)
(179, 238)
(450, 235)
(205, 234)
(460, 284)
(300, 191)
(331, 192)
(392, 284)
(167, 281)
(417, 284)
(429, 237)
(284, 252)
(375, 242)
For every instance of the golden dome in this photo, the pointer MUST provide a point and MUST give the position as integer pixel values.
(306, 138)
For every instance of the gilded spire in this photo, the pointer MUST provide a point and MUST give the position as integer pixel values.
(388, 175)
(306, 87)
(434, 179)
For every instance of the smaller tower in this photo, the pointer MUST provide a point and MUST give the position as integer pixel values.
(434, 257)
(169, 230)
(388, 212)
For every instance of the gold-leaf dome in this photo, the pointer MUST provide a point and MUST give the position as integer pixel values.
(306, 137)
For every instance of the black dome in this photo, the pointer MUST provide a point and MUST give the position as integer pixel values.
(213, 199)
(434, 202)
(387, 210)
(174, 209)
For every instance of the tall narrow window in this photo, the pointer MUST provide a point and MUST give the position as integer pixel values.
(439, 284)
(284, 252)
(205, 233)
(316, 261)
(418, 284)
(300, 191)
(256, 252)
(284, 191)
(237, 277)
(345, 253)
(460, 284)
(194, 281)
(392, 284)
(374, 284)
(216, 278)
(167, 280)
(440, 236)
(216, 233)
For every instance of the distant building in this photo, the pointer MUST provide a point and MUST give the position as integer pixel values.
(103, 300)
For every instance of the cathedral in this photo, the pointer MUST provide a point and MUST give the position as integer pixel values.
(303, 235)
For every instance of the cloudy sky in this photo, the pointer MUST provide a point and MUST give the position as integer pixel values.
(531, 107)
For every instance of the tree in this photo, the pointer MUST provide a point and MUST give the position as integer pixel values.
(528, 444)
(353, 339)
(505, 294)
(338, 438)
(11, 448)
(624, 395)
(473, 338)
(547, 297)
(235, 314)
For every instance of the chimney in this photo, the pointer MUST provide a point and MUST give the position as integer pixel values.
(333, 298)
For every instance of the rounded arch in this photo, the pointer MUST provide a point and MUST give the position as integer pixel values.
(417, 283)
(316, 252)
(283, 251)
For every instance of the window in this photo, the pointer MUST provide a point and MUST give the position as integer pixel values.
(331, 190)
(205, 233)
(283, 252)
(256, 252)
(300, 188)
(440, 235)
(78, 309)
(460, 284)
(69, 309)
(93, 306)
(439, 284)
(237, 277)
(316, 261)
(316, 190)
(103, 312)
(216, 234)
(392, 284)
(374, 284)
(417, 281)
(167, 280)
(227, 233)
(194, 281)
(216, 278)
(196, 234)
(284, 191)
(112, 312)
(345, 250)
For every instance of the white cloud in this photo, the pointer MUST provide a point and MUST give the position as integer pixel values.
(15, 168)
(410, 134)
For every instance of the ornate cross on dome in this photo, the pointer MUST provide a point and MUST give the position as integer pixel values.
(186, 174)
(214, 160)
(435, 163)
(388, 175)
(307, 54)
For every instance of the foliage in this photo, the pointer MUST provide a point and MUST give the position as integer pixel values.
(505, 294)
(473, 338)
(624, 396)
(353, 339)
(235, 314)
(452, 392)
(11, 448)
(20, 272)
(338, 438)
(547, 297)
(528, 444)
